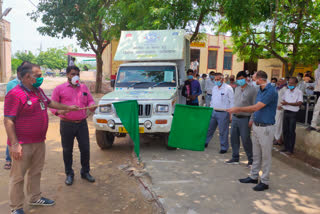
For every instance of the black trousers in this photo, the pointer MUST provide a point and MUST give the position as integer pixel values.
(289, 129)
(69, 131)
(192, 104)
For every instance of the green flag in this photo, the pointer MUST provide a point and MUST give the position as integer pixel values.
(128, 114)
(189, 127)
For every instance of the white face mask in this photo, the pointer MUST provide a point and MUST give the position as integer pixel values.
(75, 80)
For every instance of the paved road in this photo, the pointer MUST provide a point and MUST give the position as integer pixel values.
(200, 182)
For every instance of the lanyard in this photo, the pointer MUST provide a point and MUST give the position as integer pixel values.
(28, 98)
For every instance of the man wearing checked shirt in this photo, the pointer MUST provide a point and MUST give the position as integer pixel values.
(74, 124)
(262, 131)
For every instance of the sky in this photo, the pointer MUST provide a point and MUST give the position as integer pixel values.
(24, 34)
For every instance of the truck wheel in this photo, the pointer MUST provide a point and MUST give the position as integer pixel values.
(104, 139)
(166, 140)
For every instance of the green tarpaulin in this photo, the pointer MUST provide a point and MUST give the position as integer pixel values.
(128, 114)
(189, 127)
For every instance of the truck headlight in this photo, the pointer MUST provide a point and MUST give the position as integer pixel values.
(106, 109)
(162, 108)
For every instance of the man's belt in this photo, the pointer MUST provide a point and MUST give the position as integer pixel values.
(72, 121)
(241, 116)
(262, 124)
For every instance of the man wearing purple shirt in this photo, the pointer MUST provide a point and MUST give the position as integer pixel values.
(191, 89)
(74, 124)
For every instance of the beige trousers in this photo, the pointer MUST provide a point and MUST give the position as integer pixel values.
(278, 125)
(316, 112)
(33, 156)
(262, 143)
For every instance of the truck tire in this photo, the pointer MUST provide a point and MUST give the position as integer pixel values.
(166, 140)
(104, 139)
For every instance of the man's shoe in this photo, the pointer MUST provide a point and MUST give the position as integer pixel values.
(232, 161)
(223, 151)
(249, 165)
(261, 187)
(206, 145)
(19, 211)
(69, 180)
(88, 177)
(310, 128)
(248, 180)
(42, 202)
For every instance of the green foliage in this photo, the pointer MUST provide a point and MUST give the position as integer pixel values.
(53, 58)
(15, 63)
(286, 29)
(25, 56)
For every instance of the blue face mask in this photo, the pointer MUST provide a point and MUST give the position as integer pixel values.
(241, 82)
(190, 77)
(291, 87)
(273, 84)
(217, 83)
(212, 77)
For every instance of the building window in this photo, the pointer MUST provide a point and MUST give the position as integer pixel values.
(227, 62)
(212, 60)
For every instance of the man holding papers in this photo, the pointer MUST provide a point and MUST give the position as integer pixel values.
(74, 124)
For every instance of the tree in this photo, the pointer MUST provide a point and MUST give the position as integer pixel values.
(15, 63)
(165, 14)
(53, 58)
(285, 29)
(25, 56)
(84, 19)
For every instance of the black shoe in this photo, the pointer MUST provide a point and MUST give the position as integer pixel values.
(249, 164)
(223, 151)
(206, 145)
(261, 187)
(69, 180)
(232, 161)
(310, 128)
(248, 180)
(88, 177)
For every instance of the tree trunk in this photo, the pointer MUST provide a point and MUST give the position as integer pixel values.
(99, 73)
(286, 69)
(291, 71)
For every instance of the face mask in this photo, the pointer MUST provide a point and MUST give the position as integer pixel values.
(291, 87)
(190, 77)
(217, 83)
(273, 84)
(299, 78)
(75, 80)
(211, 77)
(241, 82)
(254, 83)
(39, 81)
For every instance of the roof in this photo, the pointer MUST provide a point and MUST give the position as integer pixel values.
(81, 55)
(149, 64)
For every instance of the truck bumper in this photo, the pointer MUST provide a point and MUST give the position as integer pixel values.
(155, 128)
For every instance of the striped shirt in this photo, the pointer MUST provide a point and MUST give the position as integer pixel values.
(68, 95)
(31, 119)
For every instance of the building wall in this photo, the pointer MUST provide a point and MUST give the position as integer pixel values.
(110, 67)
(221, 44)
(5, 53)
(273, 67)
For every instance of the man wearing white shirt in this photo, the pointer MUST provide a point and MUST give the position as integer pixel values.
(208, 88)
(292, 100)
(222, 98)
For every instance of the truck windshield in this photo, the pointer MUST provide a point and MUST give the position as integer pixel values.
(146, 76)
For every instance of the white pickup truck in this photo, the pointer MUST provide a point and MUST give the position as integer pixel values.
(153, 74)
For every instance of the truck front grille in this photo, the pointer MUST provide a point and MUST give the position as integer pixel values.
(145, 110)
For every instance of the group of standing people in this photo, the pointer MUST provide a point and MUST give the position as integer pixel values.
(26, 122)
(251, 105)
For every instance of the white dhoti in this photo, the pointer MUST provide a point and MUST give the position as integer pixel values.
(316, 112)
(278, 125)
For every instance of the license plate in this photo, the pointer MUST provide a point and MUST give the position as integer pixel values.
(123, 130)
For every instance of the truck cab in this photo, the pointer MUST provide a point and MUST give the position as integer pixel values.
(154, 82)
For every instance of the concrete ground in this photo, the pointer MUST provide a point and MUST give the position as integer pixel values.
(190, 182)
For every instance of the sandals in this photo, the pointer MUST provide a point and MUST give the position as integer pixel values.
(7, 165)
